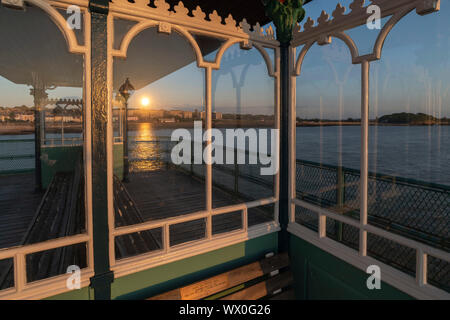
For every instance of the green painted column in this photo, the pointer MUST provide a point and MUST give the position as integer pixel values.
(285, 15)
(283, 237)
(101, 281)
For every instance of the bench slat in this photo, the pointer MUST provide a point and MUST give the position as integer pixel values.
(224, 281)
(262, 289)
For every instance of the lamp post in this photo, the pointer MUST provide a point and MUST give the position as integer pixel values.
(126, 90)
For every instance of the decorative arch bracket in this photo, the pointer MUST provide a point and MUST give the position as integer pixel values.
(328, 27)
(15, 4)
(196, 19)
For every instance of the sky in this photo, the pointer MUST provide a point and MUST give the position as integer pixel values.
(413, 76)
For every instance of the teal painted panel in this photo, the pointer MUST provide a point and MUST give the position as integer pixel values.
(118, 160)
(320, 275)
(176, 274)
(58, 159)
(85, 293)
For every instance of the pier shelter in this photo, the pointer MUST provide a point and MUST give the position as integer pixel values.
(348, 100)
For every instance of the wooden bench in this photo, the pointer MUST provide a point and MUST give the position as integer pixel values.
(269, 278)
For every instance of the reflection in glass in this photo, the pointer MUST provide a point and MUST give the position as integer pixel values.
(409, 135)
(243, 99)
(41, 151)
(328, 134)
(168, 96)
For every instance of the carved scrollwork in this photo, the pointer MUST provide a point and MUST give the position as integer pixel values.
(212, 21)
(358, 14)
(16, 4)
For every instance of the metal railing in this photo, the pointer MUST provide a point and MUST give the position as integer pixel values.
(16, 156)
(413, 209)
(155, 154)
(237, 175)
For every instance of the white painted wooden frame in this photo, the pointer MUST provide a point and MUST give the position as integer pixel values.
(322, 34)
(179, 21)
(55, 285)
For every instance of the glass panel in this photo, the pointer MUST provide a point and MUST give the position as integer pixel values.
(226, 222)
(168, 97)
(261, 214)
(208, 46)
(343, 233)
(365, 37)
(392, 253)
(121, 28)
(306, 218)
(6, 274)
(76, 22)
(439, 273)
(328, 129)
(50, 263)
(409, 185)
(244, 165)
(41, 91)
(187, 231)
(137, 243)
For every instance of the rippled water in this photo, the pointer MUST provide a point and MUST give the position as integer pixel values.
(416, 152)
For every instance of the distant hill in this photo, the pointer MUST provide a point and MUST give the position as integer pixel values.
(408, 118)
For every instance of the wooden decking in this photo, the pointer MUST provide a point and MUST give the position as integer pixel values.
(171, 192)
(150, 195)
(18, 204)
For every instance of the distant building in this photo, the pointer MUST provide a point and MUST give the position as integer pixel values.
(168, 120)
(215, 115)
(62, 119)
(155, 113)
(24, 117)
(187, 114)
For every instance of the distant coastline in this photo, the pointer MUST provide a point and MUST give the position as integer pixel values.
(28, 128)
(396, 119)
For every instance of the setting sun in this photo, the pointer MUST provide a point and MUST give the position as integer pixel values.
(145, 102)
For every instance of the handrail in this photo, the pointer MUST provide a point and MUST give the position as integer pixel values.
(397, 179)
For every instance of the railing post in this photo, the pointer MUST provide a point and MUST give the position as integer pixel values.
(192, 157)
(236, 173)
(365, 67)
(340, 199)
(101, 281)
(283, 238)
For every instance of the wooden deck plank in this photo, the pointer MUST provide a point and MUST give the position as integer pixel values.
(18, 203)
(170, 192)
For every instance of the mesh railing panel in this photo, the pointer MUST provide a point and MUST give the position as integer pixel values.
(414, 209)
(16, 155)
